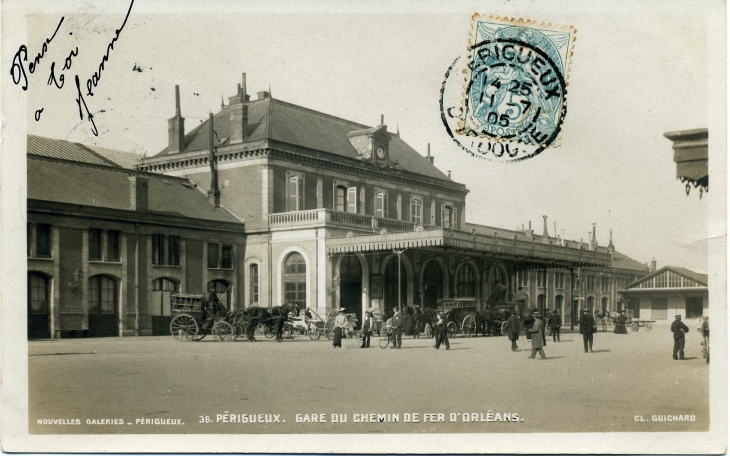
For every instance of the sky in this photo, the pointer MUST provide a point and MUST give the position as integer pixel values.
(633, 78)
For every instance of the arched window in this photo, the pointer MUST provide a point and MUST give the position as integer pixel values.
(341, 198)
(465, 282)
(102, 295)
(295, 194)
(254, 283)
(295, 279)
(416, 210)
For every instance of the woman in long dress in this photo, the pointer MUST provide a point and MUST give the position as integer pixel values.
(340, 324)
(620, 327)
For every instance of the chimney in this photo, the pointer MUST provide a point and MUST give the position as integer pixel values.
(594, 242)
(263, 94)
(653, 265)
(562, 237)
(214, 196)
(139, 192)
(244, 93)
(449, 173)
(545, 233)
(238, 114)
(176, 127)
(529, 225)
(382, 119)
(428, 155)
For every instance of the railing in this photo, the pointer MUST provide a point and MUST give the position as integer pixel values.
(321, 217)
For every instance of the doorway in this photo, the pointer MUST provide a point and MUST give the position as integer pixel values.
(38, 324)
(433, 284)
(103, 304)
(351, 286)
(162, 288)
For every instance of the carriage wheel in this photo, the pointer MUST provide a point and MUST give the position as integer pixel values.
(429, 330)
(313, 331)
(184, 328)
(384, 340)
(329, 328)
(451, 328)
(469, 326)
(268, 332)
(222, 331)
(648, 327)
(634, 327)
(503, 329)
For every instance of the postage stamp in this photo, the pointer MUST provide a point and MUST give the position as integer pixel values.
(515, 85)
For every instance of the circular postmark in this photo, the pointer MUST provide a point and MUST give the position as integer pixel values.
(511, 105)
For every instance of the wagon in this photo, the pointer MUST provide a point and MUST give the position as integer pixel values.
(636, 324)
(188, 321)
(465, 311)
(316, 325)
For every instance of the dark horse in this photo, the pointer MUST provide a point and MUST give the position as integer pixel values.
(420, 318)
(453, 316)
(251, 317)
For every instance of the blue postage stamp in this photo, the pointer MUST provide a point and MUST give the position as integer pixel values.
(515, 89)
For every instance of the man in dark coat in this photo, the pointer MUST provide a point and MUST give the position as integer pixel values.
(679, 329)
(529, 320)
(442, 332)
(555, 324)
(587, 328)
(213, 309)
(397, 324)
(514, 325)
(538, 336)
(367, 329)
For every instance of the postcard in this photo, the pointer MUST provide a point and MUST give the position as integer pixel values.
(363, 227)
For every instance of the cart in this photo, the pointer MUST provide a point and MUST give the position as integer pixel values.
(636, 324)
(464, 320)
(315, 324)
(187, 324)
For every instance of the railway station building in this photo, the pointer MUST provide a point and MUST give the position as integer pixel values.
(272, 202)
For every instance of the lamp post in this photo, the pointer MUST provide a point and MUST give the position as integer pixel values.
(399, 252)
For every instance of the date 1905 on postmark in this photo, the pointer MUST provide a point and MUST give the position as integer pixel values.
(513, 98)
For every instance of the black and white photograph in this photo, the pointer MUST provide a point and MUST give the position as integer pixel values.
(363, 227)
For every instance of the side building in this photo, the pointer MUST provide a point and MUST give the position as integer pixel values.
(108, 244)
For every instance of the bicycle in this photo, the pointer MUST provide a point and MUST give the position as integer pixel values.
(385, 337)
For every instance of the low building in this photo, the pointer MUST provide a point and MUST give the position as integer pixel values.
(668, 292)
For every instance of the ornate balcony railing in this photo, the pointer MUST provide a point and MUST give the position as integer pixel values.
(322, 217)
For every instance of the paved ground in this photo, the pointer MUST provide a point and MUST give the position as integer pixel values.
(627, 377)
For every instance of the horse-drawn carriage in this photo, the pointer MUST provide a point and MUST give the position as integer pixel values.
(189, 321)
(468, 316)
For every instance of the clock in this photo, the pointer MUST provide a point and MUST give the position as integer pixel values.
(380, 152)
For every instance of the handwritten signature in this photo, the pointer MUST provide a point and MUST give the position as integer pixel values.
(19, 74)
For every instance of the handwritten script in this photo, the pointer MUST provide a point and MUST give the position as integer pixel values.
(20, 75)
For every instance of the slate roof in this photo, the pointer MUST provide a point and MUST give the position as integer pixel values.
(67, 150)
(622, 261)
(104, 186)
(281, 121)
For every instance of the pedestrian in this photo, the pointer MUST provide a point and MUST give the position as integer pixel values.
(587, 327)
(514, 325)
(538, 336)
(397, 323)
(679, 329)
(367, 329)
(442, 332)
(555, 324)
(529, 320)
(340, 325)
(620, 327)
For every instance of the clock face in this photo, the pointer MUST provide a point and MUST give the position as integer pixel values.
(380, 151)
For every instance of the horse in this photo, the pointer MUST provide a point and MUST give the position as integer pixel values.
(604, 316)
(253, 316)
(453, 316)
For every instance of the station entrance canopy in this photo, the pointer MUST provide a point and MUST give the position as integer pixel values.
(523, 254)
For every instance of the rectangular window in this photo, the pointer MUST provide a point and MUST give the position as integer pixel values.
(112, 245)
(524, 278)
(540, 279)
(447, 218)
(576, 282)
(295, 194)
(381, 204)
(158, 249)
(213, 255)
(352, 200)
(173, 250)
(591, 283)
(559, 279)
(95, 244)
(43, 241)
(254, 277)
(227, 257)
(661, 280)
(693, 307)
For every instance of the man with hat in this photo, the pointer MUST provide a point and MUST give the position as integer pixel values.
(397, 324)
(555, 325)
(679, 329)
(367, 329)
(587, 326)
(514, 325)
(538, 336)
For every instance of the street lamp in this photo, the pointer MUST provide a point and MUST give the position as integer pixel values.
(399, 252)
